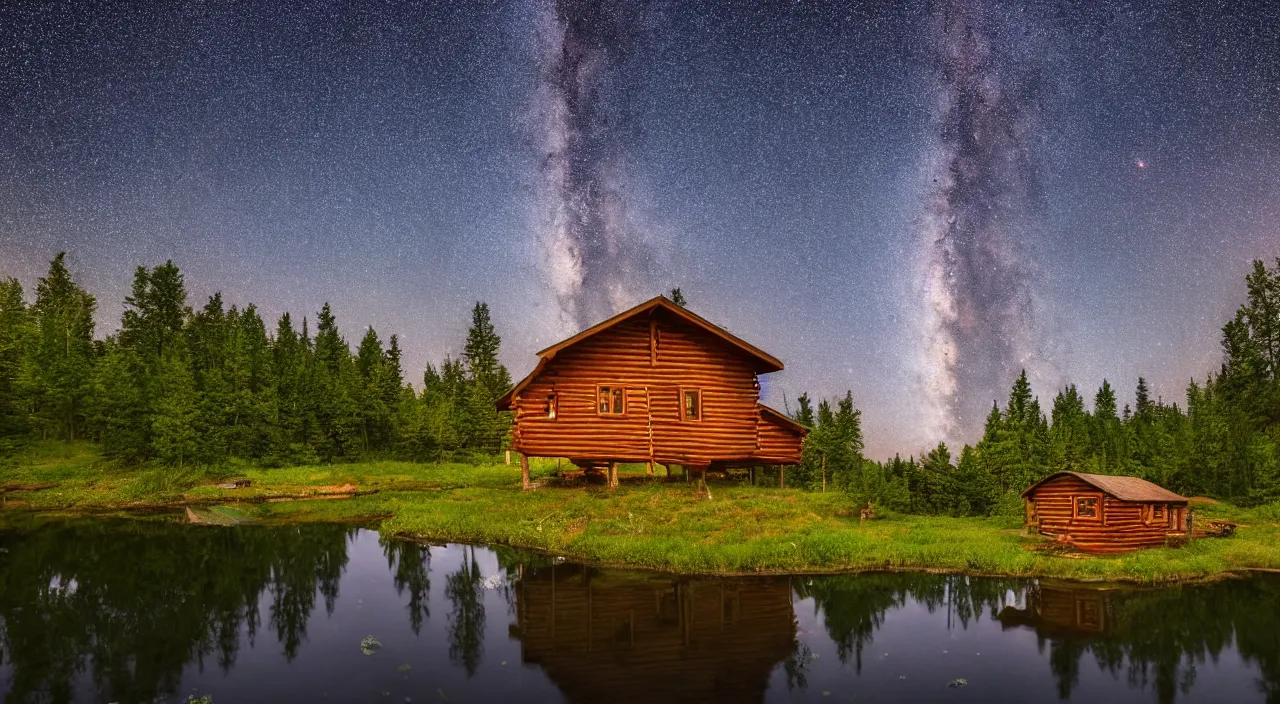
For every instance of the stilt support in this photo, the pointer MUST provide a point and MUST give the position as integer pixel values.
(524, 470)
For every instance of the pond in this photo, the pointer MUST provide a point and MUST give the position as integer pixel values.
(142, 611)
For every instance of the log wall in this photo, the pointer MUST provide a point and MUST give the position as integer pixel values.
(654, 357)
(778, 444)
(1120, 527)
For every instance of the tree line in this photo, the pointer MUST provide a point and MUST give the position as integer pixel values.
(181, 385)
(1223, 443)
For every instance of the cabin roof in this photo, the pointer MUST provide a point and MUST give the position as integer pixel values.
(764, 362)
(1123, 488)
(781, 419)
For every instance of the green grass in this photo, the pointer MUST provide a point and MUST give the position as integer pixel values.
(658, 525)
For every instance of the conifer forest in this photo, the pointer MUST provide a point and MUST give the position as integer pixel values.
(181, 384)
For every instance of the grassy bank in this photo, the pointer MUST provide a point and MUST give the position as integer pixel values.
(668, 526)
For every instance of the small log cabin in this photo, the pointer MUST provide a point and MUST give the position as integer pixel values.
(656, 383)
(1100, 513)
(1059, 610)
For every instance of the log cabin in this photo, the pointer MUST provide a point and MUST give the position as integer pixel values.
(656, 383)
(1104, 514)
(1060, 610)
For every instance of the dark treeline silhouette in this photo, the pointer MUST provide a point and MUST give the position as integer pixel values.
(1224, 443)
(180, 385)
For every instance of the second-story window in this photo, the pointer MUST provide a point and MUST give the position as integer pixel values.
(610, 400)
(551, 406)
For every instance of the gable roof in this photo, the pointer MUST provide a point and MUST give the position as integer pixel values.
(779, 418)
(1123, 488)
(764, 362)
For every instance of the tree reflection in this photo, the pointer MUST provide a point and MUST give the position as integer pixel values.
(466, 620)
(1155, 639)
(853, 606)
(410, 565)
(131, 603)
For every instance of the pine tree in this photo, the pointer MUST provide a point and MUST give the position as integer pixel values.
(677, 297)
(173, 422)
(487, 381)
(1070, 431)
(1142, 400)
(61, 357)
(335, 377)
(15, 332)
(155, 311)
(375, 412)
(804, 411)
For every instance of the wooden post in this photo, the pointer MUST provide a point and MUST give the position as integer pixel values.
(508, 456)
(524, 470)
(613, 474)
(752, 474)
(668, 466)
(782, 477)
(649, 468)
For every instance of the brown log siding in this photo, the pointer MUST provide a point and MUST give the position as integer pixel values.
(778, 444)
(651, 428)
(1120, 525)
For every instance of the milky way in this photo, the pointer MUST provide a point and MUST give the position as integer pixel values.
(773, 159)
(593, 256)
(979, 318)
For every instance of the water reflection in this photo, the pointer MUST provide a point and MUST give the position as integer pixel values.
(131, 604)
(129, 611)
(619, 636)
(1156, 639)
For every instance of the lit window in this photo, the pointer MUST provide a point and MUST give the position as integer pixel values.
(610, 400)
(691, 405)
(551, 406)
(1086, 507)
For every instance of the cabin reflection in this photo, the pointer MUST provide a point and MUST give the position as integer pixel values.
(619, 636)
(1062, 611)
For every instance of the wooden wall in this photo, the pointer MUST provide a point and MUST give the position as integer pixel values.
(1119, 528)
(778, 443)
(684, 356)
(615, 637)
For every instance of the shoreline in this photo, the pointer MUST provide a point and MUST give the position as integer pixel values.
(661, 526)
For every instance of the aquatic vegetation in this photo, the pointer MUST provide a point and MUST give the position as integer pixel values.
(370, 645)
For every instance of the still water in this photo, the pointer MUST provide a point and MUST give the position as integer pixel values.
(131, 611)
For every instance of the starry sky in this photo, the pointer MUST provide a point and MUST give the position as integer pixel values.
(912, 200)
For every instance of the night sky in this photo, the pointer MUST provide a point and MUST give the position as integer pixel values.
(912, 201)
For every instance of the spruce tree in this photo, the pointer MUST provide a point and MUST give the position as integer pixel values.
(61, 356)
(173, 421)
(487, 381)
(335, 379)
(804, 411)
(677, 297)
(14, 337)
